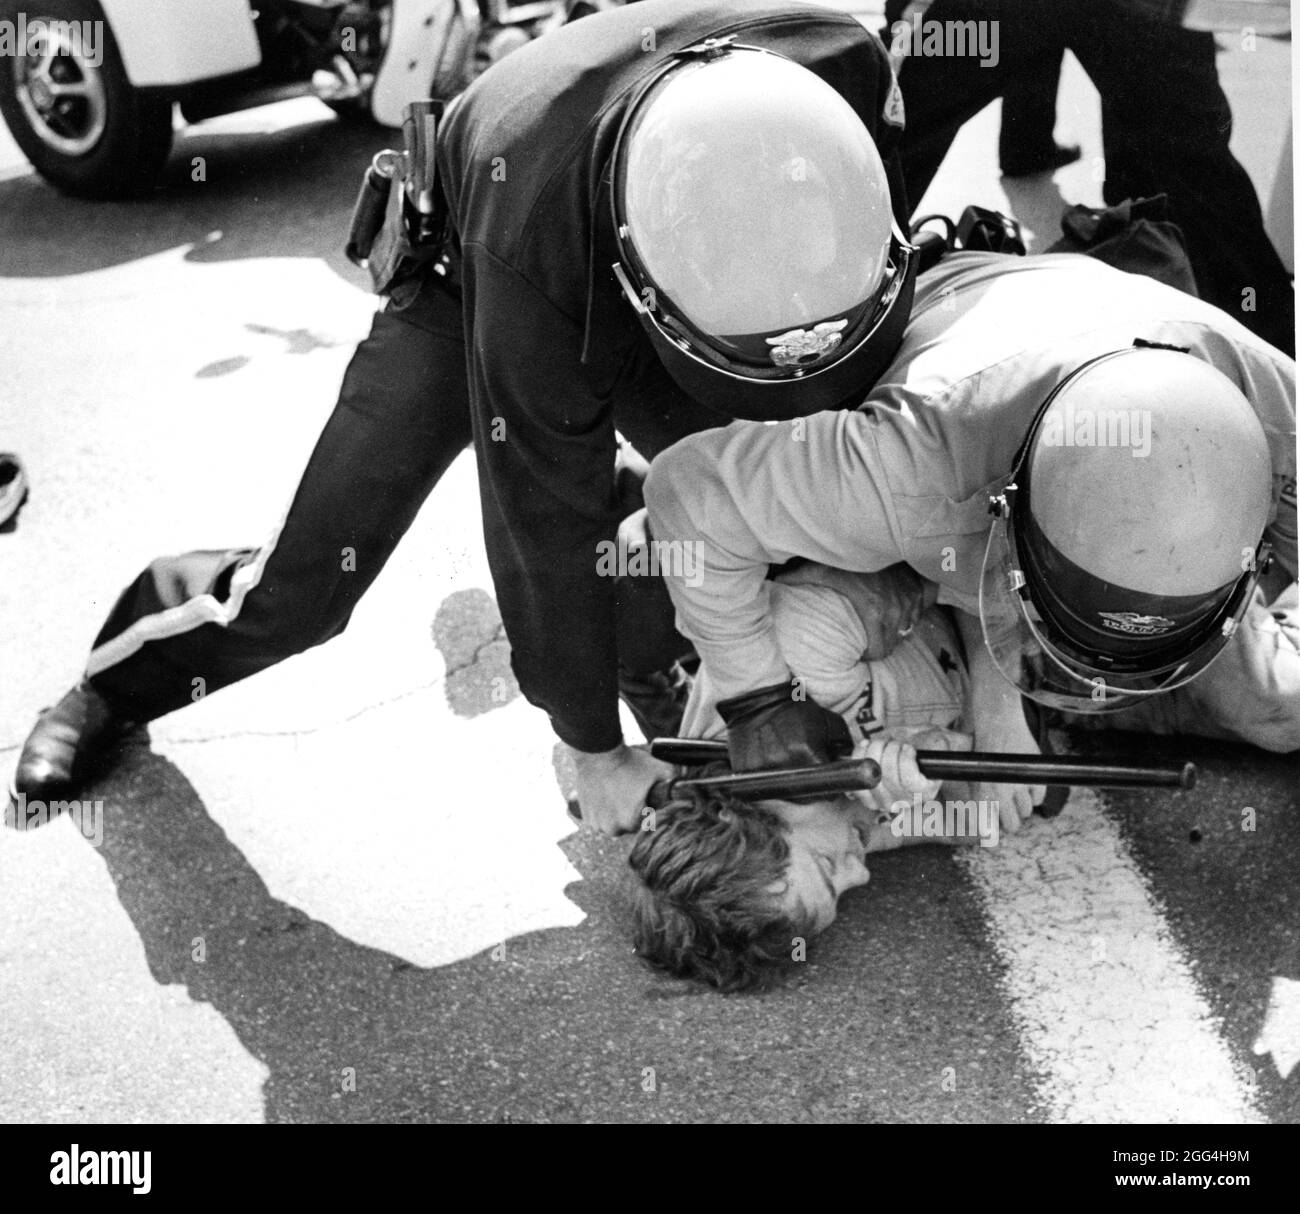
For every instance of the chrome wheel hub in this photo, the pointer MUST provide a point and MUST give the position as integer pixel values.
(61, 92)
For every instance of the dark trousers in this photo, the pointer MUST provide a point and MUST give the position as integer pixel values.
(403, 415)
(1029, 113)
(1165, 127)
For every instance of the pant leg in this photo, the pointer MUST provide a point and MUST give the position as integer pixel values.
(1166, 125)
(1029, 112)
(402, 417)
(940, 93)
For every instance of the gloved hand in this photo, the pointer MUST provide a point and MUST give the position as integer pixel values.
(769, 728)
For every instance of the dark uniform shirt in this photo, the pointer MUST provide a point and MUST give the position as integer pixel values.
(556, 359)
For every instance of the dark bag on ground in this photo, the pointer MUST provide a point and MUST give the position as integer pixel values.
(1136, 236)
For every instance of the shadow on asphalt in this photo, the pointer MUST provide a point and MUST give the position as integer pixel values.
(563, 1024)
(284, 193)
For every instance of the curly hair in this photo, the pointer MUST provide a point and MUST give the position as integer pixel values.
(704, 906)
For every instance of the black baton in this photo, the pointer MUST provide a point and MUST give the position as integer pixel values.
(987, 766)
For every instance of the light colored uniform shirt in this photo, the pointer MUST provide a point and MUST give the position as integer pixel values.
(920, 682)
(907, 477)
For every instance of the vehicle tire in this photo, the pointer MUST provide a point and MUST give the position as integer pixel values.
(83, 126)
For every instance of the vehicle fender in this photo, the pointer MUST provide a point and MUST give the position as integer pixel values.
(175, 42)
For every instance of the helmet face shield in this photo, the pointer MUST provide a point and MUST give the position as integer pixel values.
(1045, 667)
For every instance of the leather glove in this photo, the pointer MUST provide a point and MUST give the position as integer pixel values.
(768, 728)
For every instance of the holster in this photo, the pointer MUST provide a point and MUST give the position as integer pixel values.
(391, 236)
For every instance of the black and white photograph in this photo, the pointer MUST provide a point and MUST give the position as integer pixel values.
(657, 563)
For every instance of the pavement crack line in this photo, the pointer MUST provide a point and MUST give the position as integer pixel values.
(285, 733)
(496, 638)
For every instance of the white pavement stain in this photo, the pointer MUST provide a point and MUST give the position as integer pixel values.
(1107, 1007)
(130, 454)
(407, 829)
(360, 797)
(1280, 1035)
(87, 1033)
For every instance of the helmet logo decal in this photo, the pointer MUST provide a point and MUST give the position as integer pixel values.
(1134, 623)
(805, 345)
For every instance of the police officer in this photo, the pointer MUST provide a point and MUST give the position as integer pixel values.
(664, 217)
(1137, 449)
(1166, 124)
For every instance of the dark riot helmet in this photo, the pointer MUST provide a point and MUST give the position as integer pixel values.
(756, 239)
(1128, 543)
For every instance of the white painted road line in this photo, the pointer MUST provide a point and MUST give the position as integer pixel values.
(1108, 1009)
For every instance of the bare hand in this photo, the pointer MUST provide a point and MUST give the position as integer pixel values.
(1004, 729)
(900, 777)
(613, 786)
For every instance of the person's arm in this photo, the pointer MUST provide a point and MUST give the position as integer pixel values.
(544, 438)
(997, 720)
(887, 604)
(734, 501)
(741, 499)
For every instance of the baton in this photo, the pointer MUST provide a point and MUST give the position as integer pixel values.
(846, 775)
(987, 766)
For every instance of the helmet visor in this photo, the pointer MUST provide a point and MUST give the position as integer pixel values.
(1046, 668)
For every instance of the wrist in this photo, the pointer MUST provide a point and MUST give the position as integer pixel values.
(587, 760)
(767, 696)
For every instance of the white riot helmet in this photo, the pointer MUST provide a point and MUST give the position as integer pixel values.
(756, 235)
(1128, 543)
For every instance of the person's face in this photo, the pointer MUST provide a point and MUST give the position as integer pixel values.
(827, 856)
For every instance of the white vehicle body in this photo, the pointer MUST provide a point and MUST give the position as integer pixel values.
(176, 42)
(95, 115)
(172, 43)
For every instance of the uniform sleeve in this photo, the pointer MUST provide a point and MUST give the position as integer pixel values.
(740, 499)
(545, 444)
(823, 640)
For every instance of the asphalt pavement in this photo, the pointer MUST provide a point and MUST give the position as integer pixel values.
(273, 926)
